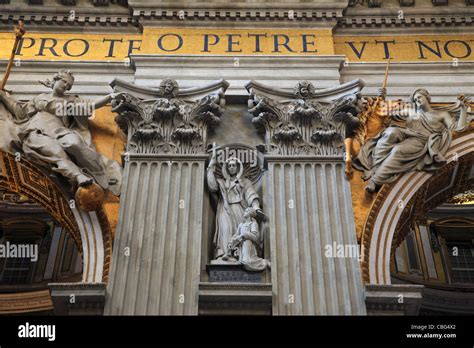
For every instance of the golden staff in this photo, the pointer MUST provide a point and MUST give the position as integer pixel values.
(19, 32)
(381, 98)
(386, 75)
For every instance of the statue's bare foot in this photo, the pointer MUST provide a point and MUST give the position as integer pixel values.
(371, 187)
(225, 258)
(349, 171)
(83, 180)
(349, 174)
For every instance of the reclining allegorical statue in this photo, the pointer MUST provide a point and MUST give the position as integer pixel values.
(50, 131)
(413, 136)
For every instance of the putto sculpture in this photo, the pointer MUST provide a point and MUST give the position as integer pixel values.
(246, 243)
(52, 130)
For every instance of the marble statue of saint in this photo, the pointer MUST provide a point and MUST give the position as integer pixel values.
(246, 242)
(235, 194)
(419, 143)
(52, 130)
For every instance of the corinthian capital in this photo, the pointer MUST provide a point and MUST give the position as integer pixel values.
(306, 121)
(167, 119)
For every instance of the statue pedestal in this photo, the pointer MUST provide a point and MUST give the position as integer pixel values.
(221, 271)
(233, 298)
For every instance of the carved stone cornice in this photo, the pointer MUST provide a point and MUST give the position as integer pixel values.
(390, 3)
(68, 14)
(167, 120)
(140, 13)
(120, 14)
(305, 122)
(385, 299)
(238, 11)
(412, 16)
(89, 298)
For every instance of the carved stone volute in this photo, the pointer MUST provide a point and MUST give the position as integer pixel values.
(305, 122)
(168, 120)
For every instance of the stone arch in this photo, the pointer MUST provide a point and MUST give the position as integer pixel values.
(399, 204)
(90, 230)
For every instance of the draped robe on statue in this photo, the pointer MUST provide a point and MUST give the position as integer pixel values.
(421, 145)
(9, 141)
(234, 196)
(61, 143)
(248, 251)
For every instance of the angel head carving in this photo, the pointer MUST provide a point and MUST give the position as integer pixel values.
(169, 88)
(304, 90)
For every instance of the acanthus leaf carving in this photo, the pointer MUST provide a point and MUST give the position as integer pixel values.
(310, 123)
(170, 122)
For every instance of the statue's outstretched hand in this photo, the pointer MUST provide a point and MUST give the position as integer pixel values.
(3, 94)
(465, 101)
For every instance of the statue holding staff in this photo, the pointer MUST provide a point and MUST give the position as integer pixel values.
(235, 193)
(391, 138)
(417, 139)
(52, 130)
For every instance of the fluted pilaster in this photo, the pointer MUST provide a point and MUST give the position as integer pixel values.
(158, 242)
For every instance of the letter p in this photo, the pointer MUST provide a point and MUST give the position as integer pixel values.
(208, 43)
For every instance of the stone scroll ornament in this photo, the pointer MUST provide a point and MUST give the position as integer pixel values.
(168, 120)
(52, 131)
(395, 137)
(307, 121)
